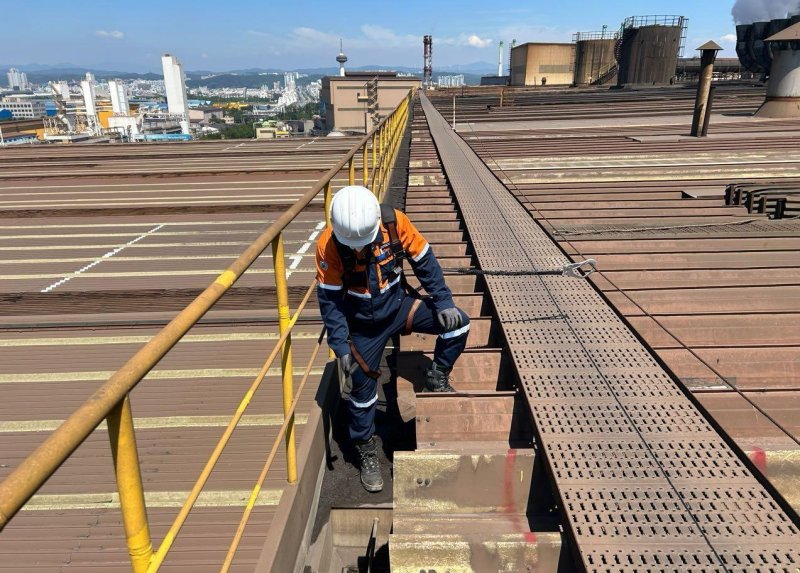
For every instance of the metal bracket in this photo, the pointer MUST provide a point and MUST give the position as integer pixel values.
(577, 270)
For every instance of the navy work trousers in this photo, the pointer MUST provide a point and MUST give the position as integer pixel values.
(370, 341)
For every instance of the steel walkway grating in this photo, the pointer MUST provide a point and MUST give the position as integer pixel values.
(645, 483)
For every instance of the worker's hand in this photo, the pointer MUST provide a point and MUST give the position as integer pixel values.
(449, 318)
(346, 363)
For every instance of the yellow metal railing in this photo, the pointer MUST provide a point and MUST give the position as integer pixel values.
(111, 401)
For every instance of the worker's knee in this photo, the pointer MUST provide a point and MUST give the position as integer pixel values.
(460, 331)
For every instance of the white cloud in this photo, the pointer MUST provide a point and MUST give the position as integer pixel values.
(306, 34)
(477, 42)
(388, 37)
(114, 34)
(729, 38)
(533, 33)
(204, 55)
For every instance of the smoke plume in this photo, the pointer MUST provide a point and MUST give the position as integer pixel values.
(749, 11)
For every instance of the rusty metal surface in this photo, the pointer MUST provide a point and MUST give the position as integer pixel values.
(645, 482)
(715, 301)
(60, 214)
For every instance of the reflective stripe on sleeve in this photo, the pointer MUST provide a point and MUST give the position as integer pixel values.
(422, 254)
(330, 287)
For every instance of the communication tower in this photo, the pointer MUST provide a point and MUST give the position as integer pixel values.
(341, 58)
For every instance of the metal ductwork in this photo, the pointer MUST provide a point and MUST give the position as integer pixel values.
(753, 51)
(783, 89)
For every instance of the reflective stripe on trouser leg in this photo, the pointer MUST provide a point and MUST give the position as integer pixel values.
(450, 345)
(362, 404)
(364, 396)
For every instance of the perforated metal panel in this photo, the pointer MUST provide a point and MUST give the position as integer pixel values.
(645, 482)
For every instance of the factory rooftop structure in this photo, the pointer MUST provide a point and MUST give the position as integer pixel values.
(641, 417)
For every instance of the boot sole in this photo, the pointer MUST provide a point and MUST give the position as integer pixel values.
(372, 488)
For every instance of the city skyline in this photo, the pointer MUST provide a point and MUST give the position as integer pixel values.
(208, 37)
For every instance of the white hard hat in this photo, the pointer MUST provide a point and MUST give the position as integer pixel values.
(355, 216)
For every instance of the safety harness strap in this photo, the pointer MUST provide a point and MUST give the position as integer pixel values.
(408, 329)
(350, 260)
(375, 374)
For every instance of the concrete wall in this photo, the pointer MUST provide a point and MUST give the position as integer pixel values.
(531, 62)
(345, 113)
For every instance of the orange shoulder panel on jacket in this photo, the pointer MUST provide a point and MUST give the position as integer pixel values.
(413, 242)
(329, 265)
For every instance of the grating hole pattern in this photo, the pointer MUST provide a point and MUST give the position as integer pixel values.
(577, 356)
(563, 333)
(660, 513)
(684, 461)
(626, 558)
(591, 417)
(588, 383)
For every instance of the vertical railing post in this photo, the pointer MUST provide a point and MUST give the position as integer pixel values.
(374, 153)
(384, 131)
(328, 198)
(365, 161)
(351, 176)
(129, 483)
(282, 294)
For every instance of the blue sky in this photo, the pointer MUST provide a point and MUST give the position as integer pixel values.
(130, 36)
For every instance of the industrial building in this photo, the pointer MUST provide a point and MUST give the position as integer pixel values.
(175, 85)
(24, 107)
(353, 102)
(595, 58)
(536, 64)
(205, 113)
(649, 49)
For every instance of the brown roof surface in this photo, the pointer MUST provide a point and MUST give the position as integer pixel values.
(99, 247)
(713, 289)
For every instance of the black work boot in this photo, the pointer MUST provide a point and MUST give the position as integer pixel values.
(438, 379)
(370, 466)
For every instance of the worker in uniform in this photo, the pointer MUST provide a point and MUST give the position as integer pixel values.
(364, 301)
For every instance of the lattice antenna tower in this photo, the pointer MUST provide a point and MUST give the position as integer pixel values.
(427, 70)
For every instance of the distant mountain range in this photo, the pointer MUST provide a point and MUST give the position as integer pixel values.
(42, 73)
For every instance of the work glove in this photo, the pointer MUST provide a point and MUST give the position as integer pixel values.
(346, 364)
(449, 318)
